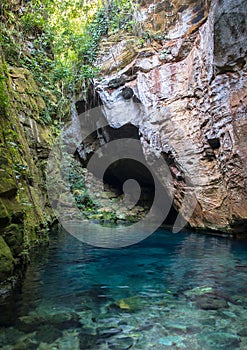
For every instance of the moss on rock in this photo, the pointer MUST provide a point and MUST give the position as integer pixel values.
(6, 260)
(24, 147)
(13, 235)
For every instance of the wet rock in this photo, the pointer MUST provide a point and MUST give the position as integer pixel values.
(107, 333)
(211, 302)
(228, 314)
(243, 332)
(87, 341)
(13, 235)
(239, 299)
(26, 140)
(6, 260)
(145, 328)
(171, 340)
(9, 335)
(124, 343)
(176, 328)
(243, 345)
(7, 184)
(198, 291)
(29, 323)
(47, 334)
(193, 329)
(87, 319)
(26, 344)
(69, 340)
(206, 298)
(62, 320)
(208, 321)
(218, 340)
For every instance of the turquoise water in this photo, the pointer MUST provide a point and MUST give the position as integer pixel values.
(183, 291)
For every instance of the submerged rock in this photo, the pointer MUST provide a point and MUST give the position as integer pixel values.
(211, 302)
(198, 291)
(243, 332)
(87, 341)
(9, 336)
(47, 334)
(218, 340)
(124, 343)
(62, 320)
(27, 343)
(109, 332)
(171, 340)
(68, 340)
(207, 298)
(129, 304)
(176, 328)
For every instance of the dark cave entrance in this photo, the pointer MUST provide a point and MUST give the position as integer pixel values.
(123, 169)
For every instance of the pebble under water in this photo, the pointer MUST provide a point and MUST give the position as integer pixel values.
(171, 291)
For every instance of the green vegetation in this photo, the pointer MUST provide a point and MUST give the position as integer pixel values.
(102, 205)
(77, 186)
(57, 40)
(48, 50)
(4, 98)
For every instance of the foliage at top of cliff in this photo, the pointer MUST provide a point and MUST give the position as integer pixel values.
(57, 40)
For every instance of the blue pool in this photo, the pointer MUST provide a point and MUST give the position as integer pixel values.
(171, 291)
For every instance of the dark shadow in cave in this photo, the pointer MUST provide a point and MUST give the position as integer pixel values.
(124, 169)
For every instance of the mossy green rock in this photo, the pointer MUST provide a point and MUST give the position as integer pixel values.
(6, 260)
(61, 320)
(24, 148)
(14, 238)
(7, 183)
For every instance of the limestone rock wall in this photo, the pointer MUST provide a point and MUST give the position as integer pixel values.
(24, 147)
(192, 86)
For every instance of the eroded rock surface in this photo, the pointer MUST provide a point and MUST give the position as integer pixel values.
(192, 89)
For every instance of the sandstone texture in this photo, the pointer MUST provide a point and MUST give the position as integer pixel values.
(190, 81)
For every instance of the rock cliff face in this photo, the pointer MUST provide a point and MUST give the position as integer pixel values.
(24, 147)
(190, 77)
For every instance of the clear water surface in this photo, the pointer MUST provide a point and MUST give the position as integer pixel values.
(171, 291)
